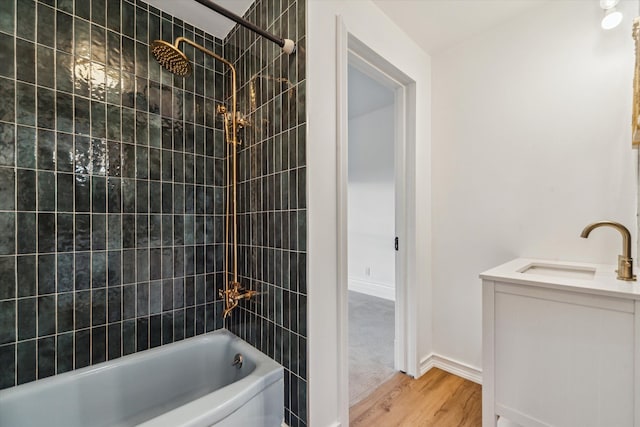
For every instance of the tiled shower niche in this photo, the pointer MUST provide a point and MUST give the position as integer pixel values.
(272, 193)
(111, 186)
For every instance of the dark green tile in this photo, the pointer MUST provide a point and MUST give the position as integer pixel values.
(65, 272)
(26, 361)
(46, 149)
(7, 277)
(65, 5)
(64, 232)
(26, 19)
(82, 36)
(7, 189)
(114, 95)
(28, 233)
(98, 344)
(142, 30)
(25, 61)
(127, 125)
(7, 321)
(82, 193)
(128, 19)
(7, 94)
(46, 25)
(98, 12)
(46, 109)
(27, 315)
(7, 144)
(7, 59)
(64, 112)
(82, 350)
(25, 104)
(113, 15)
(82, 243)
(114, 332)
(143, 341)
(46, 315)
(113, 122)
(7, 233)
(26, 275)
(46, 232)
(26, 146)
(98, 235)
(98, 120)
(46, 274)
(82, 114)
(114, 263)
(65, 312)
(46, 191)
(45, 64)
(64, 32)
(98, 44)
(7, 23)
(114, 237)
(64, 192)
(82, 273)
(82, 148)
(64, 353)
(98, 305)
(64, 153)
(83, 9)
(128, 57)
(64, 72)
(8, 362)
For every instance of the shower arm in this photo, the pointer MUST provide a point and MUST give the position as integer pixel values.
(288, 46)
(233, 143)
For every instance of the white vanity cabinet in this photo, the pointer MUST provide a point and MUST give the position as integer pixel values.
(561, 342)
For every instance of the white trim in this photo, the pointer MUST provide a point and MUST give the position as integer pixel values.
(350, 49)
(342, 179)
(377, 289)
(451, 366)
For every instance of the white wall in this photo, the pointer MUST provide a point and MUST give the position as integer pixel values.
(372, 27)
(372, 203)
(531, 141)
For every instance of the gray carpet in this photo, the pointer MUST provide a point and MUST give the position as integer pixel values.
(371, 335)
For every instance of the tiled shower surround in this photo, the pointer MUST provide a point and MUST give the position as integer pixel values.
(112, 188)
(272, 193)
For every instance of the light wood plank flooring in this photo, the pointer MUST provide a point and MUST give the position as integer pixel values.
(436, 399)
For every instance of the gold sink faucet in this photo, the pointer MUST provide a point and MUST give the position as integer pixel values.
(625, 262)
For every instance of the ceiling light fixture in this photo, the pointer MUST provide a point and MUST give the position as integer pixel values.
(612, 16)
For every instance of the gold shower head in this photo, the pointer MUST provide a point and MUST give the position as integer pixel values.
(171, 58)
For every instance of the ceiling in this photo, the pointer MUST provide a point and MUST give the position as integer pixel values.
(433, 24)
(202, 17)
(437, 24)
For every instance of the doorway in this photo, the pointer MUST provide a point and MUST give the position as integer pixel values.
(371, 229)
(378, 174)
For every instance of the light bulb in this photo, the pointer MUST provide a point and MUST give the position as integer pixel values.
(612, 18)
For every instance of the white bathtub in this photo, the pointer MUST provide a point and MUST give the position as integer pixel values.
(188, 383)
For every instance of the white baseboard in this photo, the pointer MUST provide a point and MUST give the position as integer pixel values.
(380, 290)
(452, 366)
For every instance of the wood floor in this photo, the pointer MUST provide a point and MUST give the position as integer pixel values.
(436, 399)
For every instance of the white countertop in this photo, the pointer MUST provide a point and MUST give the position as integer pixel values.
(604, 281)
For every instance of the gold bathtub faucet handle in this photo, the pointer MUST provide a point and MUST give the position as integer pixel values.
(625, 262)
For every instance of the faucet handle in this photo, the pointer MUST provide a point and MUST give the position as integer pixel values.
(625, 269)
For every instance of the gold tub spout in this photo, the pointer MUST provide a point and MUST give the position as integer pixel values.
(625, 262)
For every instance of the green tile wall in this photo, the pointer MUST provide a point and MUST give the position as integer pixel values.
(111, 186)
(272, 193)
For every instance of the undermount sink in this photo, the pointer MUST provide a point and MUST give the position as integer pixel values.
(558, 270)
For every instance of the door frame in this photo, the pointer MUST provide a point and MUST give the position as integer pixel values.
(351, 50)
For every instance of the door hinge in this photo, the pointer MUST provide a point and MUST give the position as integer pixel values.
(396, 244)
